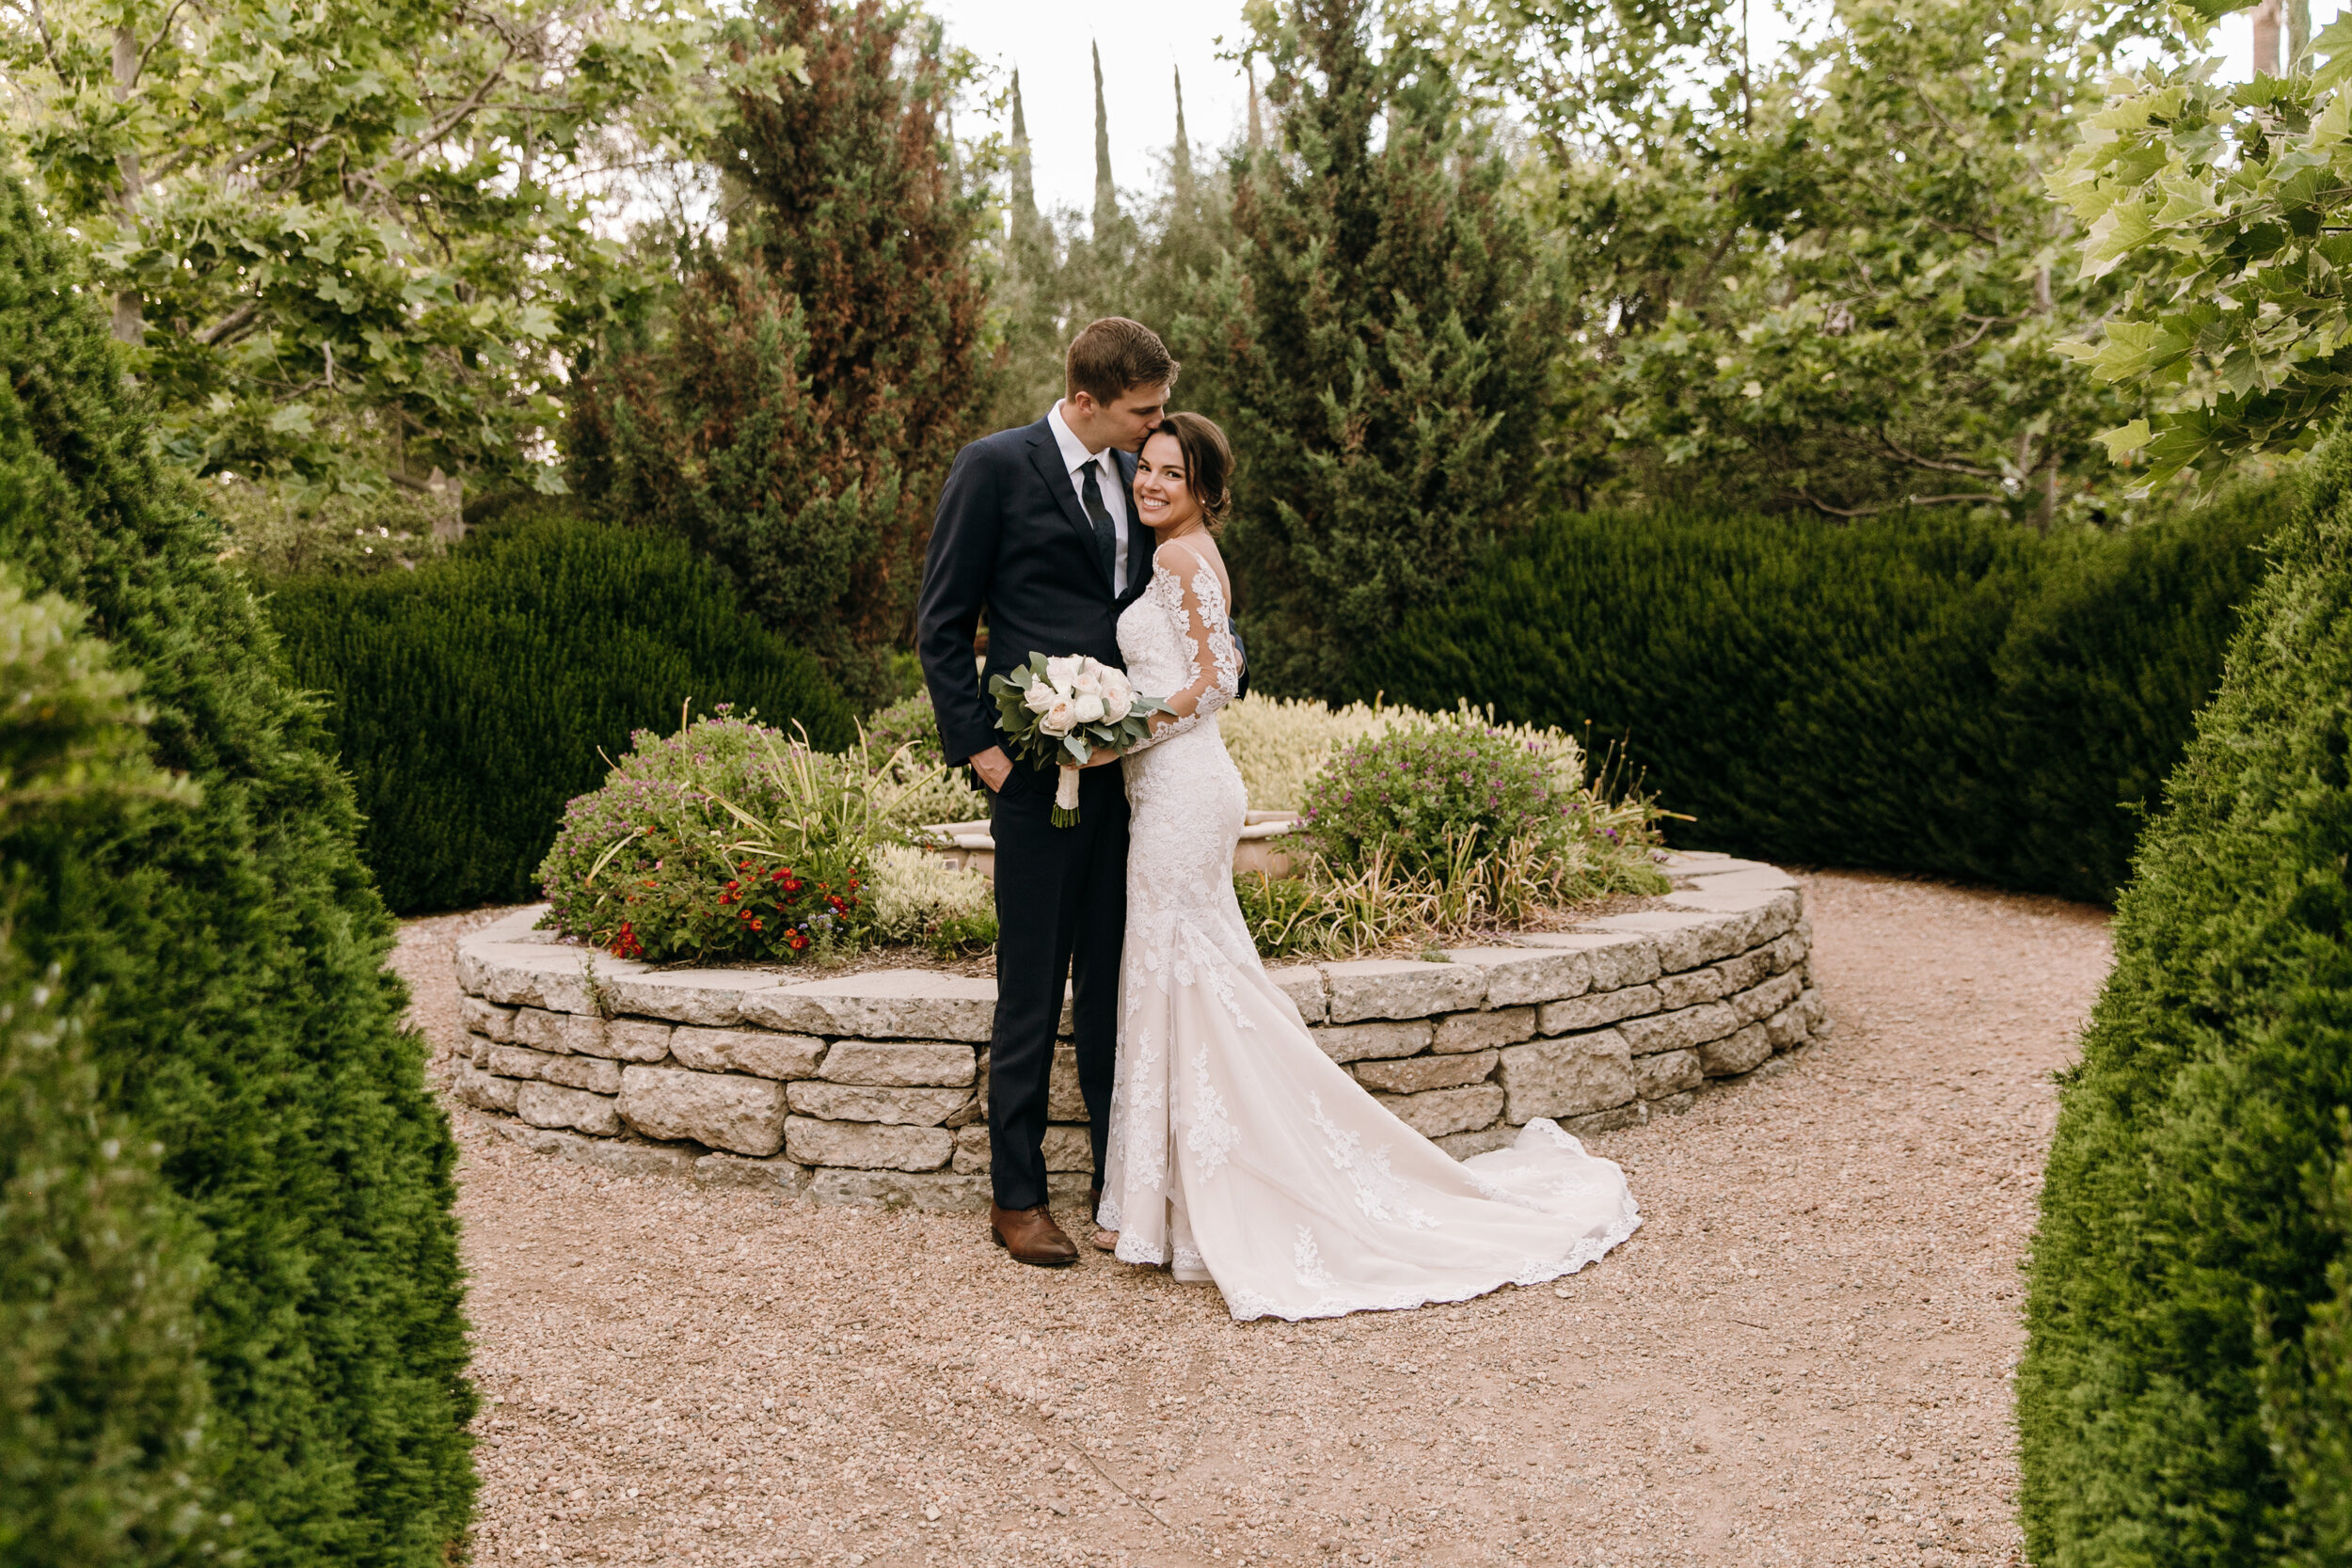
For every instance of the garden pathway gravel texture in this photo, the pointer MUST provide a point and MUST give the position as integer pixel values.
(1805, 1355)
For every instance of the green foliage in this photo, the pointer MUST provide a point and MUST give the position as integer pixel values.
(1827, 282)
(2217, 206)
(1374, 349)
(242, 1016)
(105, 1450)
(1956, 698)
(70, 730)
(351, 240)
(469, 699)
(103, 1453)
(2183, 1398)
(1415, 790)
(905, 736)
(731, 840)
(795, 413)
(286, 530)
(916, 899)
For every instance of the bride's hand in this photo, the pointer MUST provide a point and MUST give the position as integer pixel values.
(1101, 755)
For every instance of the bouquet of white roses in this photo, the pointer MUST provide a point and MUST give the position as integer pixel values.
(1053, 709)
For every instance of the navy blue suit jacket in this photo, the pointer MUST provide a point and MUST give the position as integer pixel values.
(1010, 542)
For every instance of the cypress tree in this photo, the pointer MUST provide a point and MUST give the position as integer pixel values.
(848, 296)
(233, 953)
(2186, 1397)
(105, 1458)
(1378, 350)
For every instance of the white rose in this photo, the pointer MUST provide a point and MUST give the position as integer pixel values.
(1089, 707)
(1089, 680)
(1115, 686)
(1063, 670)
(1115, 706)
(1059, 719)
(1039, 698)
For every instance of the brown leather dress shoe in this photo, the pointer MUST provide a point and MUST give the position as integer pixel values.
(1031, 1236)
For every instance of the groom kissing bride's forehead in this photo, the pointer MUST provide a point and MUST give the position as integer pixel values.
(1118, 378)
(1037, 532)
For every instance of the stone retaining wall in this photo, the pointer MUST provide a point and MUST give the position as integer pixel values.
(871, 1089)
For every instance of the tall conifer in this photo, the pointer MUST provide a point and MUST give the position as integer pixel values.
(1379, 347)
(846, 302)
(229, 955)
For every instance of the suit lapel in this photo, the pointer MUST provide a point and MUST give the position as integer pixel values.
(1045, 457)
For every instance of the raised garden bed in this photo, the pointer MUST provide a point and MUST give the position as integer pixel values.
(870, 1088)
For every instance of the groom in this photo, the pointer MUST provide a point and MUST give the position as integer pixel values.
(1037, 530)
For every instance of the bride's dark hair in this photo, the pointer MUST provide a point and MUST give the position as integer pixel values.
(1208, 464)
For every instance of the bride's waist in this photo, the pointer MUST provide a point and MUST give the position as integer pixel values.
(1203, 736)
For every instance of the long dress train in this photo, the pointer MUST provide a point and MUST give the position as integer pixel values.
(1238, 1149)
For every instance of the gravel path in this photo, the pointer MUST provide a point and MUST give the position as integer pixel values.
(1803, 1358)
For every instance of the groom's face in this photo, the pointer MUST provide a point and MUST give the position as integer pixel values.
(1122, 423)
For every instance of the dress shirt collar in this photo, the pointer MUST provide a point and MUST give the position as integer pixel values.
(1073, 451)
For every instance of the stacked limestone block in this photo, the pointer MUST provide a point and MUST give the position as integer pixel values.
(870, 1088)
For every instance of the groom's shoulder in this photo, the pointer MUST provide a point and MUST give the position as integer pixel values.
(1006, 446)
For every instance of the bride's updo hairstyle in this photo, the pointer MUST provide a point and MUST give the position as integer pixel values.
(1208, 464)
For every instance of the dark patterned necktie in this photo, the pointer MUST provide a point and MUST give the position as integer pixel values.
(1105, 540)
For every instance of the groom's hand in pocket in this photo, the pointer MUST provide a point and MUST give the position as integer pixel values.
(992, 767)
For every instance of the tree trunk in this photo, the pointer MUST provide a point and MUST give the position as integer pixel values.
(2266, 38)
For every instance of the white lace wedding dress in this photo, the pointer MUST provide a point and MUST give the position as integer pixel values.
(1238, 1149)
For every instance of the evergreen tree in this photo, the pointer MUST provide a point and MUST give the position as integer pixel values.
(2185, 1396)
(1378, 349)
(105, 1457)
(848, 305)
(241, 1018)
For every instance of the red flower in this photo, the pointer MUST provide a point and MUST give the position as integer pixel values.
(791, 884)
(732, 886)
(797, 940)
(756, 927)
(854, 884)
(778, 874)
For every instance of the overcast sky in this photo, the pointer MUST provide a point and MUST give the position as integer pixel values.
(1142, 48)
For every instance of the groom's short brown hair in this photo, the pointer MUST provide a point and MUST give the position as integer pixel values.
(1113, 356)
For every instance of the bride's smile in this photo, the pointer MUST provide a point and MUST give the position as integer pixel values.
(1163, 501)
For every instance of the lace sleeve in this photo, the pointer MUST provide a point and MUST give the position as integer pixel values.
(1197, 609)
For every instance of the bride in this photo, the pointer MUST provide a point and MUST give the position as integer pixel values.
(1239, 1153)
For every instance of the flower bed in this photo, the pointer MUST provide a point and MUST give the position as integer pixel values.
(870, 1088)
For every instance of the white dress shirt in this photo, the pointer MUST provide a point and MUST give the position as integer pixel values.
(1074, 457)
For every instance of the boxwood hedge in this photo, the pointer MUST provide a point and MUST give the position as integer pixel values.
(1963, 699)
(471, 698)
(2186, 1397)
(229, 955)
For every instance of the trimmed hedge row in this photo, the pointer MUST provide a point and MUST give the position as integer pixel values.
(2186, 1397)
(228, 952)
(473, 697)
(1960, 699)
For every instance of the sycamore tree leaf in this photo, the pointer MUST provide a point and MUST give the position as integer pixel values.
(2123, 440)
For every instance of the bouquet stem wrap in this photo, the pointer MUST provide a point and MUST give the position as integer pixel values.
(1056, 711)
